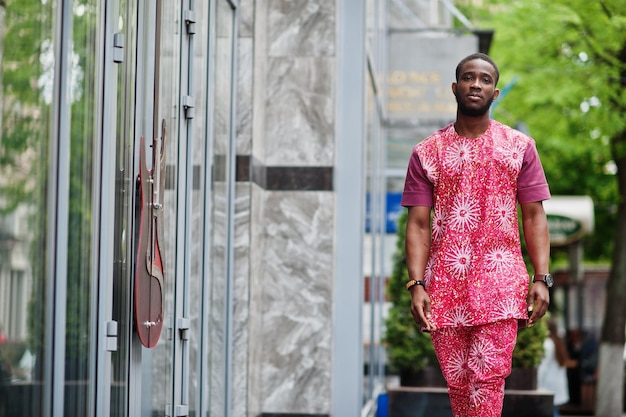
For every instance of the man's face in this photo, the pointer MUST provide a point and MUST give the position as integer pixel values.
(476, 88)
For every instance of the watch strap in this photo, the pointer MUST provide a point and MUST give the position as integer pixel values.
(542, 278)
(414, 282)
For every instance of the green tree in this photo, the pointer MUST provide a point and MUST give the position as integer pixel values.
(569, 57)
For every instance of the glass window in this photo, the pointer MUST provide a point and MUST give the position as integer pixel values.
(82, 92)
(195, 304)
(219, 239)
(123, 237)
(375, 237)
(26, 84)
(159, 84)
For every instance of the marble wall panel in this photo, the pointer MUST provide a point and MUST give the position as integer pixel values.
(259, 83)
(296, 309)
(246, 18)
(244, 96)
(241, 297)
(291, 232)
(256, 305)
(300, 112)
(301, 28)
(216, 276)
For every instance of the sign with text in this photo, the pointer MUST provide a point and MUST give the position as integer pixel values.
(421, 69)
(563, 230)
(569, 218)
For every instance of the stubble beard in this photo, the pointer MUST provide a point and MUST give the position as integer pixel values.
(473, 111)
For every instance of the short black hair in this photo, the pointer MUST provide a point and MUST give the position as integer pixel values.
(478, 55)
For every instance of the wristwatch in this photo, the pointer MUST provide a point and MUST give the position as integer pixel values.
(547, 279)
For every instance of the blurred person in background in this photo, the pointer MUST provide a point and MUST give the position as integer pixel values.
(552, 371)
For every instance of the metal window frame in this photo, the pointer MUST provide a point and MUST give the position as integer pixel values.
(57, 213)
(103, 207)
(184, 181)
(376, 66)
(58, 217)
(203, 351)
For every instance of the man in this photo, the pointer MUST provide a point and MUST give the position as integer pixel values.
(469, 285)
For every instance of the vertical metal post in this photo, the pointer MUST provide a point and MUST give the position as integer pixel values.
(58, 215)
(182, 219)
(349, 185)
(103, 331)
(577, 275)
(182, 311)
(204, 349)
(379, 71)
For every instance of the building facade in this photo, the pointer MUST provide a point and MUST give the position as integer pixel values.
(182, 194)
(193, 202)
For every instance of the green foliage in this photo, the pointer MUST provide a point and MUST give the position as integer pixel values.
(25, 135)
(569, 60)
(24, 116)
(407, 347)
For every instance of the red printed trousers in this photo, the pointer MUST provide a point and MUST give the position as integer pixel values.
(475, 360)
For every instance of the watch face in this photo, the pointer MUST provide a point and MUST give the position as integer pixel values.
(548, 280)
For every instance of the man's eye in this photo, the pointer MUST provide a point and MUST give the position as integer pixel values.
(486, 80)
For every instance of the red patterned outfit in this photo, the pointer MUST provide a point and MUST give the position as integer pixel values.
(475, 276)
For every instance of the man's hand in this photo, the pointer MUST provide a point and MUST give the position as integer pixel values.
(420, 308)
(538, 301)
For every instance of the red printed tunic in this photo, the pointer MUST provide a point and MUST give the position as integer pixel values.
(475, 273)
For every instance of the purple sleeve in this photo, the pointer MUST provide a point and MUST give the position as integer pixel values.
(418, 190)
(531, 183)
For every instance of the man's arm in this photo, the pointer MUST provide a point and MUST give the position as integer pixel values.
(537, 238)
(417, 247)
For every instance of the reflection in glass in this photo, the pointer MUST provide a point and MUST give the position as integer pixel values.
(199, 147)
(376, 192)
(26, 28)
(82, 73)
(158, 363)
(122, 256)
(221, 137)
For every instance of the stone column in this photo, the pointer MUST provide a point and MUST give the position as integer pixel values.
(292, 207)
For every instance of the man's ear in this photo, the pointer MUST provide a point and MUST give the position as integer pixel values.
(496, 94)
(454, 88)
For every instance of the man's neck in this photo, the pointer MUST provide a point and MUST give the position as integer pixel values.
(471, 127)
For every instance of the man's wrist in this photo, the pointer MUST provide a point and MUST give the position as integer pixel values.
(415, 282)
(544, 278)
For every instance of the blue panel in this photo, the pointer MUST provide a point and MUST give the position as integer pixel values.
(393, 210)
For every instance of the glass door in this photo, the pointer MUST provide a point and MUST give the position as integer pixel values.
(144, 248)
(129, 30)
